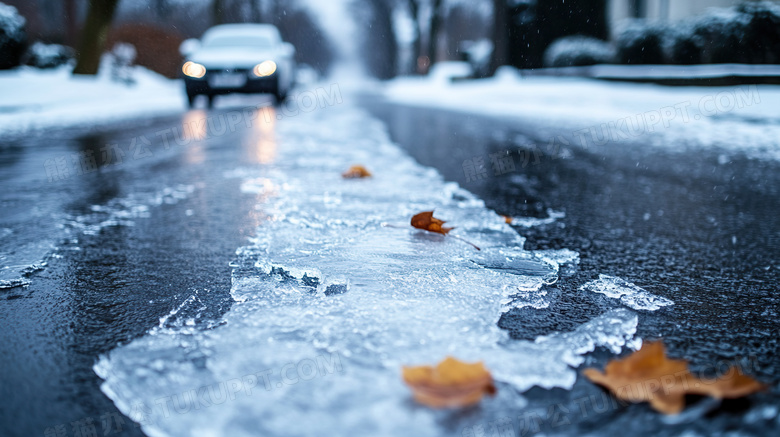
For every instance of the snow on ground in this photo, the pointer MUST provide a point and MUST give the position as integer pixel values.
(32, 99)
(739, 118)
(336, 292)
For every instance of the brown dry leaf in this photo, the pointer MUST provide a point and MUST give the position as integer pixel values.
(648, 375)
(507, 219)
(451, 384)
(356, 172)
(731, 385)
(426, 221)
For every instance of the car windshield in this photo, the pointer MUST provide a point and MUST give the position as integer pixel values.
(252, 41)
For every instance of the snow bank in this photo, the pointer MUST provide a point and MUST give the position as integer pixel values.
(45, 56)
(578, 50)
(36, 99)
(740, 119)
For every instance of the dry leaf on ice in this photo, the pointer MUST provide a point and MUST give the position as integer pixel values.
(356, 172)
(452, 383)
(427, 222)
(648, 375)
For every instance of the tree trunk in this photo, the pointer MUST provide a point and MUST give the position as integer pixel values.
(71, 23)
(257, 17)
(500, 35)
(433, 37)
(637, 8)
(161, 10)
(218, 12)
(414, 11)
(93, 38)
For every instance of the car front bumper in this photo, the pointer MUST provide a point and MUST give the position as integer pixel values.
(214, 83)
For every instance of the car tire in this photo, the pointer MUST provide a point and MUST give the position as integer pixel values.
(191, 99)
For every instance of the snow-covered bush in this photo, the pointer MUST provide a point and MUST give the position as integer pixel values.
(722, 32)
(13, 39)
(122, 60)
(640, 42)
(572, 51)
(42, 55)
(682, 46)
(748, 33)
(762, 32)
(449, 71)
(478, 53)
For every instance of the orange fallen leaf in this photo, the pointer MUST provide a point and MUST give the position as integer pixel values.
(451, 384)
(356, 172)
(427, 222)
(648, 375)
(507, 219)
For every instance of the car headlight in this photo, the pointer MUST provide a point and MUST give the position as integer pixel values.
(265, 69)
(193, 69)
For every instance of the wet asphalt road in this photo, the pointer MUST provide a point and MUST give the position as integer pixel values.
(103, 289)
(691, 227)
(699, 227)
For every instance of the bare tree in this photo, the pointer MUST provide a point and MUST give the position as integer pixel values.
(414, 12)
(93, 37)
(378, 45)
(257, 16)
(71, 24)
(425, 44)
(637, 8)
(161, 9)
(218, 11)
(437, 17)
(500, 34)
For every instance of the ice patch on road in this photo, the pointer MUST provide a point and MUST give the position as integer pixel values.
(125, 210)
(337, 291)
(532, 222)
(24, 252)
(21, 258)
(629, 294)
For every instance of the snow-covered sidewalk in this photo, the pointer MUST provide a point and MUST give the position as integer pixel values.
(741, 118)
(32, 99)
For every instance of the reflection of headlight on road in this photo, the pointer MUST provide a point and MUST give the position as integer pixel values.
(193, 69)
(265, 69)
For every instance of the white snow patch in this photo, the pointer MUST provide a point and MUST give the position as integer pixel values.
(736, 119)
(11, 23)
(36, 99)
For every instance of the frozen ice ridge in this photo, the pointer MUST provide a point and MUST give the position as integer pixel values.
(336, 292)
(629, 294)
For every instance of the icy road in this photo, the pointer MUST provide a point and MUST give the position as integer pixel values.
(214, 275)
